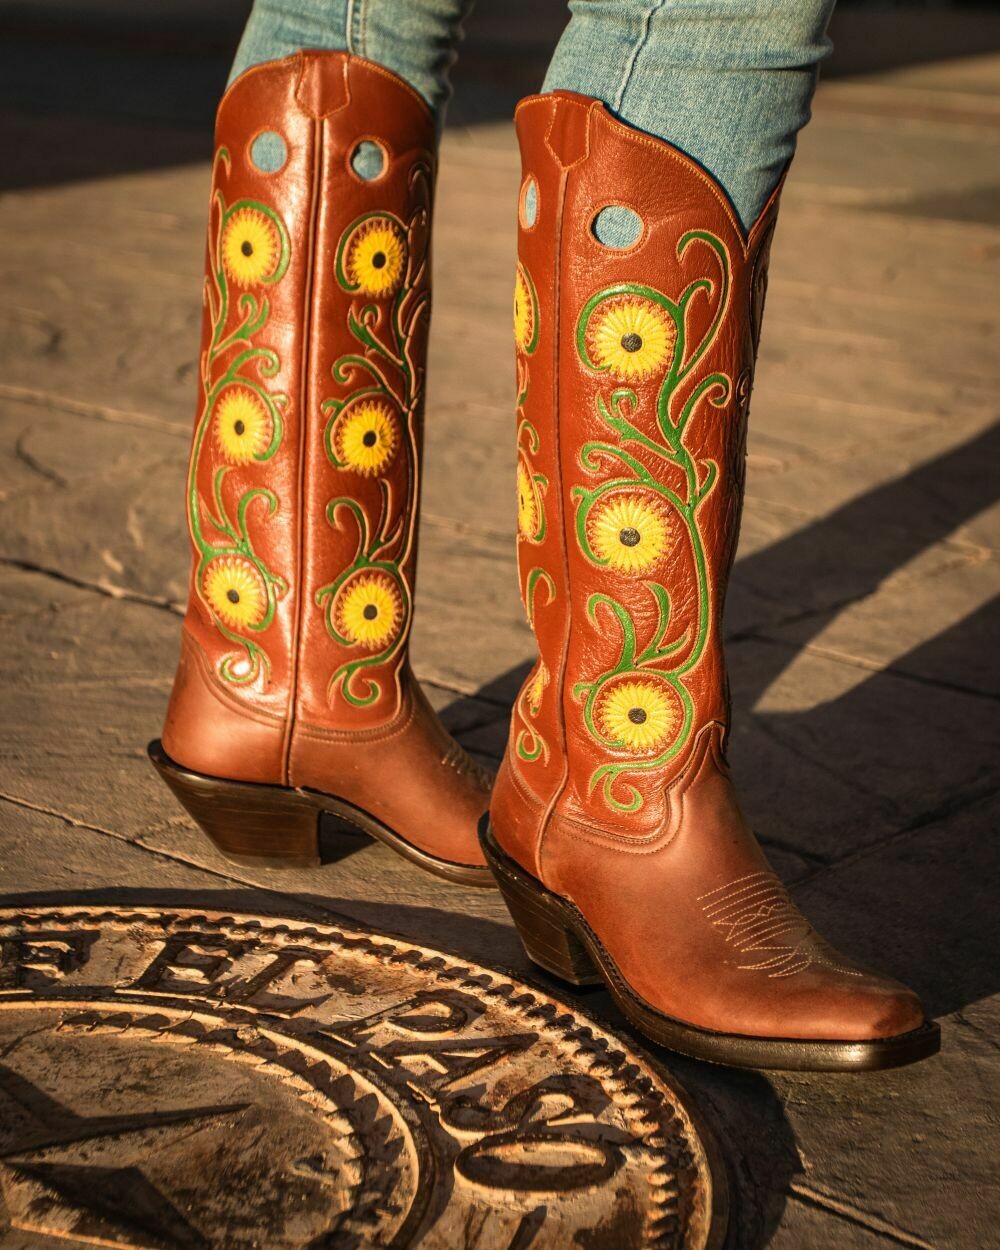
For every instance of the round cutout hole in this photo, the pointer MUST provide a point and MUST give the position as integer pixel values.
(269, 152)
(368, 160)
(617, 227)
(528, 203)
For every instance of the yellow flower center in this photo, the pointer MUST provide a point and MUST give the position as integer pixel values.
(537, 687)
(524, 313)
(527, 502)
(243, 425)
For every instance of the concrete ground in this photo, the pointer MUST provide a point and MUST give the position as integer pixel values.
(864, 611)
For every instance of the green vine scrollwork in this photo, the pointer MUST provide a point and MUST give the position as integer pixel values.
(530, 745)
(531, 519)
(531, 486)
(526, 328)
(248, 249)
(641, 705)
(383, 261)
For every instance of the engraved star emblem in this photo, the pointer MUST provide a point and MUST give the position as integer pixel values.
(100, 1203)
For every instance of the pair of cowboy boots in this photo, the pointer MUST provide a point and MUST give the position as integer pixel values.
(613, 830)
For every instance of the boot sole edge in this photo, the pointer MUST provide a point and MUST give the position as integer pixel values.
(256, 824)
(535, 905)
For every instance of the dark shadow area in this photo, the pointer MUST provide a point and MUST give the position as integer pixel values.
(94, 88)
(805, 580)
(871, 38)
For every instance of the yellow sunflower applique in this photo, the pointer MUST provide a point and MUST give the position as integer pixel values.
(251, 247)
(631, 337)
(365, 437)
(243, 425)
(529, 505)
(524, 312)
(639, 716)
(235, 591)
(377, 257)
(629, 532)
(369, 610)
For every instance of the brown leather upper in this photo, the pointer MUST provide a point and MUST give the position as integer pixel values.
(305, 466)
(634, 375)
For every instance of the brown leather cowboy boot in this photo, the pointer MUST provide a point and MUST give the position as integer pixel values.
(616, 837)
(294, 696)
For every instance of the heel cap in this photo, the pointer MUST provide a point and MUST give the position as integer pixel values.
(546, 932)
(250, 823)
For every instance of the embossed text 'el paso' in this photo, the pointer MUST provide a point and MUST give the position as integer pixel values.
(192, 1081)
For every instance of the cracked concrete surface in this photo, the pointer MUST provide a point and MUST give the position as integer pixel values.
(863, 613)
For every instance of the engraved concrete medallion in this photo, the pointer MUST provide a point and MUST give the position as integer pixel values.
(195, 1080)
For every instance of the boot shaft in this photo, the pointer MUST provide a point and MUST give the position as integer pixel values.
(634, 374)
(303, 480)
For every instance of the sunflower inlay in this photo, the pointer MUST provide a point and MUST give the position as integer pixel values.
(631, 337)
(524, 311)
(528, 509)
(366, 436)
(376, 257)
(373, 430)
(243, 426)
(235, 591)
(641, 493)
(528, 742)
(251, 247)
(536, 688)
(240, 425)
(638, 716)
(629, 532)
(369, 610)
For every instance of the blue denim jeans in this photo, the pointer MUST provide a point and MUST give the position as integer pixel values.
(728, 81)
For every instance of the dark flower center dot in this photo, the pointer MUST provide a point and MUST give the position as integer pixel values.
(369, 438)
(239, 427)
(637, 715)
(631, 342)
(233, 596)
(378, 260)
(246, 247)
(629, 537)
(370, 612)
